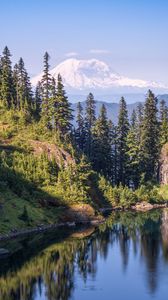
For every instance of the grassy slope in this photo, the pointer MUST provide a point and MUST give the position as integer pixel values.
(12, 207)
(16, 135)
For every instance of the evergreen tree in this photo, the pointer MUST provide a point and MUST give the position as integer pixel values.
(122, 131)
(139, 121)
(80, 130)
(133, 153)
(46, 91)
(52, 104)
(163, 123)
(23, 92)
(62, 110)
(150, 138)
(7, 88)
(114, 170)
(113, 156)
(38, 98)
(102, 159)
(90, 119)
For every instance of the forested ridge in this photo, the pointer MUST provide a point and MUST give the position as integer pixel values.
(110, 165)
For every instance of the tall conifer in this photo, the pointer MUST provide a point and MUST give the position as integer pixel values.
(150, 138)
(90, 118)
(7, 88)
(122, 131)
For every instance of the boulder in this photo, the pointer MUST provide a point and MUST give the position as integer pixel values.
(143, 206)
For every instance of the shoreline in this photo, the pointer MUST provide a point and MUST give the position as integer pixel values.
(43, 228)
(140, 207)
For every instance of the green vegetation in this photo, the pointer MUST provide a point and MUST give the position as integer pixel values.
(46, 164)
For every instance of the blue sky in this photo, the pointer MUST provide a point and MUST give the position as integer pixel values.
(130, 35)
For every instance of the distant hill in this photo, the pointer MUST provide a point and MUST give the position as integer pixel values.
(113, 108)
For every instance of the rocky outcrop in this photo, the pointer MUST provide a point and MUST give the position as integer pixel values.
(163, 172)
(81, 213)
(145, 206)
(53, 151)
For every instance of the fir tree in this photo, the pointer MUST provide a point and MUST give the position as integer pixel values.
(133, 153)
(139, 121)
(7, 88)
(80, 130)
(101, 158)
(150, 138)
(90, 119)
(23, 91)
(113, 138)
(38, 99)
(52, 104)
(62, 110)
(46, 91)
(122, 131)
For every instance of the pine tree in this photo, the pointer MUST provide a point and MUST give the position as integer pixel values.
(122, 131)
(102, 159)
(163, 119)
(139, 121)
(150, 138)
(52, 104)
(133, 153)
(90, 119)
(113, 138)
(7, 88)
(62, 110)
(16, 85)
(23, 92)
(80, 130)
(46, 91)
(38, 99)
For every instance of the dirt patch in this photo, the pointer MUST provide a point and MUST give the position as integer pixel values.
(61, 156)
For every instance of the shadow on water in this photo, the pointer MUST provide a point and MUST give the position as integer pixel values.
(44, 266)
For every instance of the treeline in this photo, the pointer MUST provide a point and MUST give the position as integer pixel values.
(126, 153)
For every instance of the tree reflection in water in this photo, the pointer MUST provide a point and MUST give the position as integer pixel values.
(46, 265)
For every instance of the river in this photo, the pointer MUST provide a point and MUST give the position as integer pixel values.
(124, 258)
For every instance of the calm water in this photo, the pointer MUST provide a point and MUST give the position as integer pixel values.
(126, 258)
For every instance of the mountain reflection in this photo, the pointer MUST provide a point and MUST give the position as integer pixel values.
(45, 266)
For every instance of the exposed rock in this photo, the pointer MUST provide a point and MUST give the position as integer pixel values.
(163, 173)
(143, 206)
(83, 213)
(61, 156)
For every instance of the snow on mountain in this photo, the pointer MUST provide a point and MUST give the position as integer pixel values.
(94, 74)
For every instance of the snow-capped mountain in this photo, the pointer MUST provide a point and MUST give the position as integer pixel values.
(94, 74)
